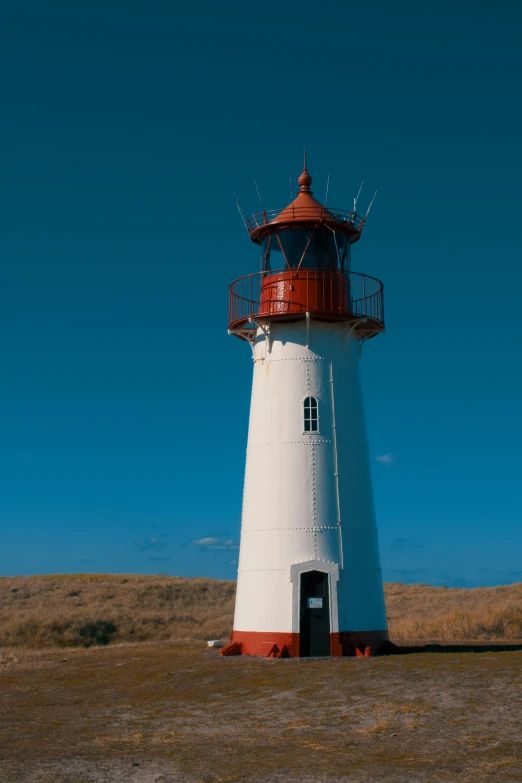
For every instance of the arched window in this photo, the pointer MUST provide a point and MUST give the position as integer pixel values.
(310, 415)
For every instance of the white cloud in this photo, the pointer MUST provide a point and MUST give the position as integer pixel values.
(215, 543)
(386, 459)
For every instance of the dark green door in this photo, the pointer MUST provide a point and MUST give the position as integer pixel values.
(314, 636)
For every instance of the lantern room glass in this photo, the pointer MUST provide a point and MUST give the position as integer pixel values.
(315, 248)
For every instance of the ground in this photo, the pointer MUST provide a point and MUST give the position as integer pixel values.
(178, 713)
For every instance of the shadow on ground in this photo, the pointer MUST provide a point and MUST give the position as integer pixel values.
(462, 648)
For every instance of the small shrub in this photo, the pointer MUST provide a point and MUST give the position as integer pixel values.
(99, 632)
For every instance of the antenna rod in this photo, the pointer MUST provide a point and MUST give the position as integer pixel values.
(356, 199)
(240, 210)
(371, 205)
(291, 189)
(327, 187)
(304, 149)
(260, 199)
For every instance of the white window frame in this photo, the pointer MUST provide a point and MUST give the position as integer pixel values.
(303, 404)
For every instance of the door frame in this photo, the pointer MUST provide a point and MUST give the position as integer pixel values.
(332, 569)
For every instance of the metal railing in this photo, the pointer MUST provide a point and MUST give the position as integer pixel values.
(333, 295)
(302, 213)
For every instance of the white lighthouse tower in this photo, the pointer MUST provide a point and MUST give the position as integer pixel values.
(309, 576)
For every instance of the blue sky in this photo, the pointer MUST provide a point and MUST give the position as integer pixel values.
(123, 402)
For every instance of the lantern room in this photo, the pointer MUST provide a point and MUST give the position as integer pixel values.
(306, 235)
(306, 269)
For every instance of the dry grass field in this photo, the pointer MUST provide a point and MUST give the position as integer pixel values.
(94, 609)
(86, 609)
(418, 613)
(163, 712)
(107, 679)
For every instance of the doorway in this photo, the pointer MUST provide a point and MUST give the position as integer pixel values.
(314, 631)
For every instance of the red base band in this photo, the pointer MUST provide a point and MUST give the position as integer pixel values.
(266, 644)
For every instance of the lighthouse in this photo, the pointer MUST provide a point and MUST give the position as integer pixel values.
(309, 577)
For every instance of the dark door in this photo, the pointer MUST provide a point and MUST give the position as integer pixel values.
(315, 614)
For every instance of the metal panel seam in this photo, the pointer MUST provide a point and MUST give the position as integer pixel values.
(281, 529)
(288, 443)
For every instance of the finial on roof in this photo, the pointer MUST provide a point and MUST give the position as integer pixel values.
(305, 180)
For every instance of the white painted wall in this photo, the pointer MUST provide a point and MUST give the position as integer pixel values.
(292, 498)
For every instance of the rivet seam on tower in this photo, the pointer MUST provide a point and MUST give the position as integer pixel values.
(281, 529)
(296, 359)
(289, 443)
(314, 498)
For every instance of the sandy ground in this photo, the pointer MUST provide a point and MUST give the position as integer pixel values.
(166, 713)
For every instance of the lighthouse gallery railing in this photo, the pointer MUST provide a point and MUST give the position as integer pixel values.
(315, 213)
(343, 295)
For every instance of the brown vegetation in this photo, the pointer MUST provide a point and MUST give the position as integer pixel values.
(86, 609)
(418, 613)
(169, 712)
(94, 609)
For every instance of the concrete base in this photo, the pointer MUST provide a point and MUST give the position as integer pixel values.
(262, 643)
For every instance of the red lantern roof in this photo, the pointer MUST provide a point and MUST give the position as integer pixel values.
(305, 207)
(304, 211)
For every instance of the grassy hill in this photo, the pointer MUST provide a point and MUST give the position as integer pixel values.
(86, 609)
